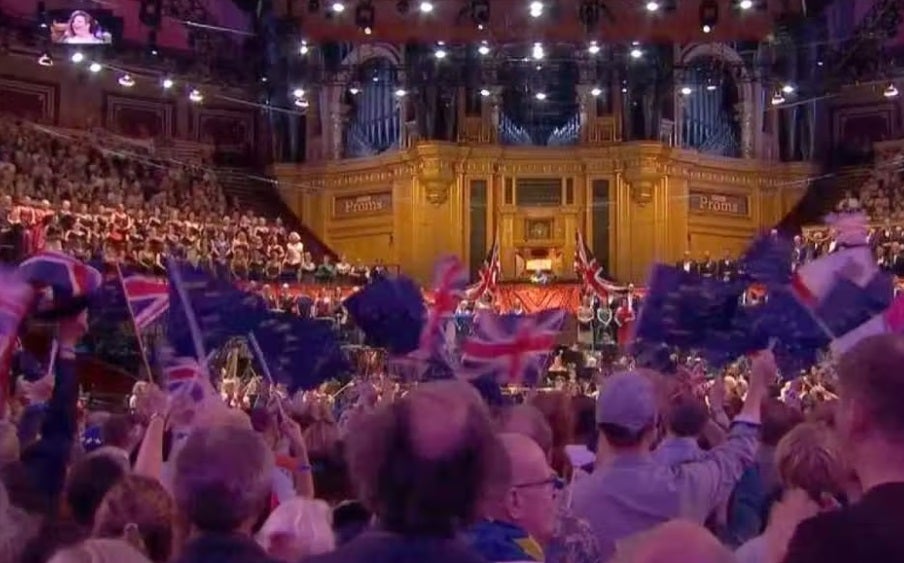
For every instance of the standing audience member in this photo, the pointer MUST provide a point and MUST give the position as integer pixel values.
(519, 514)
(629, 492)
(685, 420)
(870, 425)
(297, 530)
(100, 551)
(222, 483)
(421, 475)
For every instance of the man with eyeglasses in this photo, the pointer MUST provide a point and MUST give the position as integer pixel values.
(520, 508)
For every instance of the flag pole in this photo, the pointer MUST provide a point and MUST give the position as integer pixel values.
(193, 327)
(141, 348)
(256, 348)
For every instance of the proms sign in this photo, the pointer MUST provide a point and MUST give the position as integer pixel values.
(365, 204)
(723, 204)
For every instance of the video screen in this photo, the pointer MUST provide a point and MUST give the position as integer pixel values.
(83, 27)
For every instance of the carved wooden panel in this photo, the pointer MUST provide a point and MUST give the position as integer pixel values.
(226, 128)
(34, 101)
(138, 117)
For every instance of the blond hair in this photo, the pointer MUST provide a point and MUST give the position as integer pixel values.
(810, 458)
(139, 510)
(305, 523)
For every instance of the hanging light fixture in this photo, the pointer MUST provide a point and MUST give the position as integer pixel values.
(196, 96)
(45, 59)
(126, 81)
(778, 98)
(890, 91)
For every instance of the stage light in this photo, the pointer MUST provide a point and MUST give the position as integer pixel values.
(686, 90)
(709, 15)
(787, 89)
(354, 90)
(536, 9)
(77, 57)
(596, 92)
(624, 90)
(298, 92)
(593, 48)
(440, 53)
(484, 49)
(167, 83)
(95, 68)
(537, 51)
(426, 7)
(365, 16)
(338, 7)
(636, 53)
(652, 6)
(45, 59)
(711, 87)
(196, 96)
(890, 91)
(304, 48)
(126, 81)
(401, 93)
(540, 96)
(745, 4)
(777, 98)
(301, 103)
(484, 92)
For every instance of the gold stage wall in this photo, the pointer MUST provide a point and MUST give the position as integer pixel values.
(411, 206)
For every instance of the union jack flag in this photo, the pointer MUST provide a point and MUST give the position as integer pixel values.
(590, 272)
(513, 347)
(63, 273)
(449, 283)
(488, 276)
(183, 376)
(889, 321)
(148, 299)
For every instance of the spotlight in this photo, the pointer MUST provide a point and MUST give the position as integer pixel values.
(593, 48)
(540, 96)
(338, 7)
(304, 48)
(196, 96)
(403, 6)
(686, 90)
(77, 57)
(440, 53)
(709, 15)
(167, 83)
(484, 92)
(126, 81)
(301, 103)
(890, 91)
(45, 59)
(353, 90)
(365, 16)
(652, 6)
(426, 7)
(711, 87)
(536, 9)
(95, 68)
(537, 51)
(298, 92)
(484, 49)
(777, 98)
(596, 92)
(787, 89)
(636, 53)
(401, 93)
(745, 4)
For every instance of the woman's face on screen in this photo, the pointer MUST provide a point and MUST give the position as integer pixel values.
(80, 25)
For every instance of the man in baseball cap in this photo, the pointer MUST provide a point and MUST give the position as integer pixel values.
(630, 492)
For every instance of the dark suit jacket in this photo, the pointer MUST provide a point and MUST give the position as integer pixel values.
(383, 547)
(870, 531)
